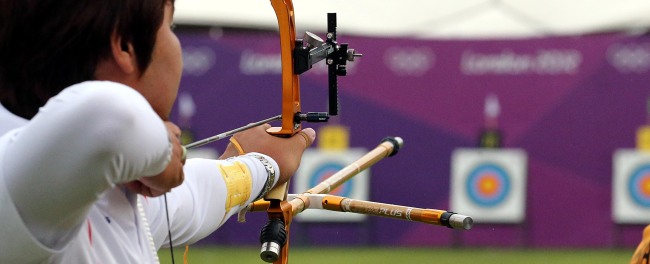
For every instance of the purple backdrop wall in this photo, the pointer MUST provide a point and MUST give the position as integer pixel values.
(569, 102)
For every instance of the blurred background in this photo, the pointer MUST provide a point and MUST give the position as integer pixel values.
(528, 115)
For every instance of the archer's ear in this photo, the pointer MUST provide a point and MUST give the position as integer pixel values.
(123, 54)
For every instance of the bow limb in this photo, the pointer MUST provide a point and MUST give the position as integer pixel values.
(290, 82)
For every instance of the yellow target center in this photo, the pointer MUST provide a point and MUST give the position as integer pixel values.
(489, 185)
(645, 186)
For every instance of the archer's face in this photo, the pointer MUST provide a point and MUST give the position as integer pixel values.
(161, 80)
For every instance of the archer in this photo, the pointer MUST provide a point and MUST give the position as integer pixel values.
(86, 88)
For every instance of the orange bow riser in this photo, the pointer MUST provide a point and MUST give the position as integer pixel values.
(297, 57)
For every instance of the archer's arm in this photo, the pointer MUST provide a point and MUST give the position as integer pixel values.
(212, 192)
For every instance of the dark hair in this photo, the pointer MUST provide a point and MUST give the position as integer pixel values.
(48, 45)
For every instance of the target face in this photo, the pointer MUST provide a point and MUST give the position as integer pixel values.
(488, 185)
(631, 188)
(326, 170)
(639, 185)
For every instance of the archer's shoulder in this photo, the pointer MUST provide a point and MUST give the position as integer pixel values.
(103, 94)
(99, 98)
(107, 88)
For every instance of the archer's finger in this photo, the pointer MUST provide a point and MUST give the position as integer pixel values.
(173, 128)
(309, 135)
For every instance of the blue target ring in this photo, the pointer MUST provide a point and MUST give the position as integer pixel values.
(639, 185)
(488, 185)
(326, 170)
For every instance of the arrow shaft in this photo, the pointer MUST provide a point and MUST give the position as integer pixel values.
(226, 134)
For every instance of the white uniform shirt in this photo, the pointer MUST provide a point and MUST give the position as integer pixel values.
(60, 198)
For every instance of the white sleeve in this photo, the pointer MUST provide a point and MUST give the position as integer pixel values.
(84, 140)
(198, 206)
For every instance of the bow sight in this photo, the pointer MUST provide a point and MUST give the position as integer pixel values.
(298, 56)
(312, 49)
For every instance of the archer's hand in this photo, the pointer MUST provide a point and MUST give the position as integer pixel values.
(287, 152)
(171, 177)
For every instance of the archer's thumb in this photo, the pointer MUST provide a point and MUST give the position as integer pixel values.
(306, 136)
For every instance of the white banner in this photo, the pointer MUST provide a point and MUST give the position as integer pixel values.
(489, 184)
(318, 165)
(631, 188)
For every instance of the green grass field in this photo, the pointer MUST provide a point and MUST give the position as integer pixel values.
(365, 255)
